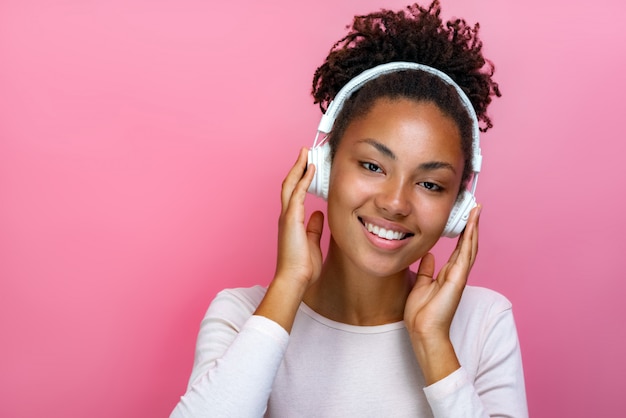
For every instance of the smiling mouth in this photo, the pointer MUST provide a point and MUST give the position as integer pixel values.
(387, 234)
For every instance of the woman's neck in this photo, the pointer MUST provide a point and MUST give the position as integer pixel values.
(345, 293)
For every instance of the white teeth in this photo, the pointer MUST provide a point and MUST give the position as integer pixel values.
(384, 233)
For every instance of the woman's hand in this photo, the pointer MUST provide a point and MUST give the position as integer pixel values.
(431, 304)
(299, 261)
(299, 253)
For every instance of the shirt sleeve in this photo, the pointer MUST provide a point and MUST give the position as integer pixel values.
(455, 396)
(497, 389)
(237, 358)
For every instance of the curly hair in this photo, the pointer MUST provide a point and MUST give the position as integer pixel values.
(416, 34)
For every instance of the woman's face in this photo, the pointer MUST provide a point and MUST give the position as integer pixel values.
(395, 176)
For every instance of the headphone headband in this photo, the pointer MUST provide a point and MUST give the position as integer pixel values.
(335, 106)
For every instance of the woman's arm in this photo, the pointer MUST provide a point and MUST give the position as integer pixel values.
(498, 388)
(237, 357)
(299, 255)
(236, 363)
(432, 303)
(495, 385)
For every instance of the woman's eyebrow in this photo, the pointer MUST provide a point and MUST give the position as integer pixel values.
(437, 165)
(382, 148)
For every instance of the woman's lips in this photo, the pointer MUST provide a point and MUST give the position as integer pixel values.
(386, 237)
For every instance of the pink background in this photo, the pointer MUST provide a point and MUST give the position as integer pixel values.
(142, 146)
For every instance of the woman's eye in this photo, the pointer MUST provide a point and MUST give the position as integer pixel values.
(372, 167)
(431, 186)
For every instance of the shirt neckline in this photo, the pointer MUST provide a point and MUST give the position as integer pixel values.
(356, 329)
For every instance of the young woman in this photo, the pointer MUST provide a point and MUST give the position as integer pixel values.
(358, 333)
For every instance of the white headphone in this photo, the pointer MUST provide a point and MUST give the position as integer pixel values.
(319, 154)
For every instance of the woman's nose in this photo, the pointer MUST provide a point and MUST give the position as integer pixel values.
(393, 198)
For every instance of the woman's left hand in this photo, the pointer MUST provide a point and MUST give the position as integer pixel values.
(431, 304)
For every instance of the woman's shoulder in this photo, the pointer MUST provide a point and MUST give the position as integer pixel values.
(236, 304)
(480, 300)
(248, 296)
(482, 315)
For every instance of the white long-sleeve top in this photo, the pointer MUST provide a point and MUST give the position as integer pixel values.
(249, 366)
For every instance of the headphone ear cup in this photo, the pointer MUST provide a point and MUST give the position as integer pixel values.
(320, 157)
(459, 215)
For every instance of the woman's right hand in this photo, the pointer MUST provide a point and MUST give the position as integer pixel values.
(299, 254)
(299, 261)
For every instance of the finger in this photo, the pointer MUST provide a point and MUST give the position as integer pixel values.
(298, 194)
(469, 248)
(469, 239)
(443, 273)
(296, 172)
(425, 270)
(462, 259)
(293, 177)
(457, 249)
(315, 227)
(478, 210)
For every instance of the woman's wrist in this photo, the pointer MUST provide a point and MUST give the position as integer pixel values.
(436, 357)
(281, 301)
